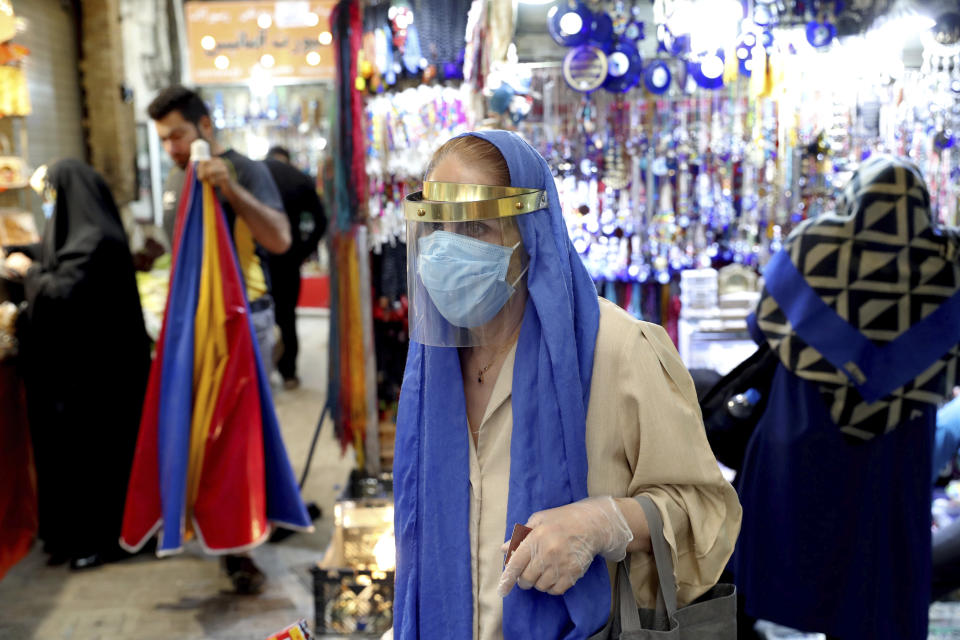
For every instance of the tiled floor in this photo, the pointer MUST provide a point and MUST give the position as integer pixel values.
(186, 597)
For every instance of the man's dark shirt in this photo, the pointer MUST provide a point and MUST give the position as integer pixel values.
(299, 197)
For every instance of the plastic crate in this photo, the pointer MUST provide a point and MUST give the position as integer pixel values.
(352, 602)
(698, 288)
(359, 527)
(361, 485)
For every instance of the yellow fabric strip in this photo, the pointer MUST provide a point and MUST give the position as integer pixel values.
(210, 349)
(352, 374)
(358, 395)
(249, 261)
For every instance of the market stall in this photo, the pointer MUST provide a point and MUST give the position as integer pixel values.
(687, 136)
(266, 69)
(687, 139)
(18, 484)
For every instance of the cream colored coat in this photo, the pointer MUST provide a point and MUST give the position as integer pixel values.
(644, 436)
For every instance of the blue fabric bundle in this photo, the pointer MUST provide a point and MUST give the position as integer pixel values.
(548, 468)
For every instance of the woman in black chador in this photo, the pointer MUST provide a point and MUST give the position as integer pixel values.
(86, 357)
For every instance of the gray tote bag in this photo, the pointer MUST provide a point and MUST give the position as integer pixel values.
(713, 616)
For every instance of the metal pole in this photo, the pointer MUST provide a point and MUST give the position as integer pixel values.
(313, 444)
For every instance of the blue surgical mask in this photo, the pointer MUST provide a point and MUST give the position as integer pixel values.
(465, 277)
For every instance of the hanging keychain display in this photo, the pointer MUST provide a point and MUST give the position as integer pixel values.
(694, 158)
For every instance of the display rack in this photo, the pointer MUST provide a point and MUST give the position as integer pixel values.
(712, 329)
(291, 116)
(17, 222)
(18, 225)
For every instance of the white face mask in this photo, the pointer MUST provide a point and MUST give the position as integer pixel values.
(48, 199)
(465, 277)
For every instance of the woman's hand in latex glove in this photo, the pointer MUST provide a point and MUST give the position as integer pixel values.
(563, 543)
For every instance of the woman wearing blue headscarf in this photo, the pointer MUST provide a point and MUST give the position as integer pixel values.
(528, 400)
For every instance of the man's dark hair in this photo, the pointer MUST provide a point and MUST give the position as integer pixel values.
(275, 151)
(178, 98)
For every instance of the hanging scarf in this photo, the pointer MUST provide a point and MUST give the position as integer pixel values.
(548, 467)
(210, 459)
(864, 303)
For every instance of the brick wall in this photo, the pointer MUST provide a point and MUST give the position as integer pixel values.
(109, 117)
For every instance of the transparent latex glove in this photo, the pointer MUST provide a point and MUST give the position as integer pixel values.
(563, 543)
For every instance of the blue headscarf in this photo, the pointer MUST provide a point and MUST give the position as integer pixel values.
(548, 466)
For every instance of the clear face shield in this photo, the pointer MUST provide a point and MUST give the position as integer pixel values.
(466, 265)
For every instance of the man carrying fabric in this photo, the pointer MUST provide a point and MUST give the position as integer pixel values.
(300, 199)
(245, 190)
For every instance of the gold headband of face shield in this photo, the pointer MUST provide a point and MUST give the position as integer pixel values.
(458, 202)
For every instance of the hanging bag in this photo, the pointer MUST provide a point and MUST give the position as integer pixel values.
(730, 424)
(713, 616)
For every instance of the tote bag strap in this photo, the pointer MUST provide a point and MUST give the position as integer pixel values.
(719, 613)
(625, 607)
(661, 555)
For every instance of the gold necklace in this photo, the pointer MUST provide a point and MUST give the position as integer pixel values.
(496, 355)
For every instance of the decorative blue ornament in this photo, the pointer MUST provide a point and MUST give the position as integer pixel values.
(820, 34)
(624, 67)
(763, 15)
(570, 24)
(585, 68)
(944, 140)
(657, 77)
(451, 70)
(707, 72)
(680, 45)
(634, 31)
(744, 53)
(601, 32)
